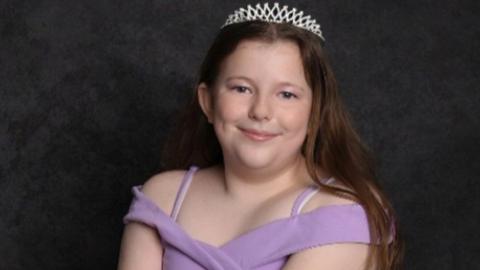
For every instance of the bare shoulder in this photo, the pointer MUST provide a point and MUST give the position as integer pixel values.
(323, 198)
(331, 256)
(162, 188)
(141, 247)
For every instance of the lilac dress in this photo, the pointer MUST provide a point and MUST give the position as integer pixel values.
(266, 247)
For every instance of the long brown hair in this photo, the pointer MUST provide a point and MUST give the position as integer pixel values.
(331, 142)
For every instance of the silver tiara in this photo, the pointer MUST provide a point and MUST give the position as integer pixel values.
(275, 14)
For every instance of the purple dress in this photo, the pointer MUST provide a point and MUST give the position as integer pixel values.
(266, 247)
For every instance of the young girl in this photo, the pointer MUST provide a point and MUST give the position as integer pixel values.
(264, 170)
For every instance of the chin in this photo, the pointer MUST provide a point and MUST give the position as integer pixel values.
(256, 165)
(255, 161)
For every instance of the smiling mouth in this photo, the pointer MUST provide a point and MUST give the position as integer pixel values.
(257, 136)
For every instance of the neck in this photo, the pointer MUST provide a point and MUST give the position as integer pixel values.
(259, 184)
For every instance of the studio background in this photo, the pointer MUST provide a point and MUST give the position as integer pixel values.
(88, 90)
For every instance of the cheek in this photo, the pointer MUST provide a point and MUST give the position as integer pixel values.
(296, 120)
(229, 109)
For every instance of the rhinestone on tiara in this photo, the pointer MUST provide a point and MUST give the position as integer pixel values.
(274, 14)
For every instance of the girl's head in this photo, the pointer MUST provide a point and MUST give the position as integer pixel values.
(315, 124)
(260, 88)
(271, 53)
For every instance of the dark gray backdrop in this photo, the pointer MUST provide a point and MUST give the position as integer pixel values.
(88, 90)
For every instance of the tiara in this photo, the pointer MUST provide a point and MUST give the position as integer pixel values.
(274, 14)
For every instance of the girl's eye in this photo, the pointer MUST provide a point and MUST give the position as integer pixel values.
(288, 95)
(240, 89)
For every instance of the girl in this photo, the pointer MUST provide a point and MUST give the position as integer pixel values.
(264, 170)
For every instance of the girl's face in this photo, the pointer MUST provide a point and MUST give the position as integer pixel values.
(261, 104)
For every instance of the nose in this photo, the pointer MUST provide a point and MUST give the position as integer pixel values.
(260, 108)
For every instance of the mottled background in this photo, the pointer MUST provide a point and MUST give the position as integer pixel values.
(88, 89)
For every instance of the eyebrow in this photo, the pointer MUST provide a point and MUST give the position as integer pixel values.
(252, 82)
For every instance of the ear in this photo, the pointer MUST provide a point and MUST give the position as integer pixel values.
(205, 100)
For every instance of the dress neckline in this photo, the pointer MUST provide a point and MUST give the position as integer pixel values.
(245, 235)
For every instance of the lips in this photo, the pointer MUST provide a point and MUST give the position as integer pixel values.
(258, 135)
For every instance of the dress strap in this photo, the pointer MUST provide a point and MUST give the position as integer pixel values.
(306, 195)
(182, 191)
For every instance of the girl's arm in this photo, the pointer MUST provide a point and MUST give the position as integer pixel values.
(140, 249)
(348, 256)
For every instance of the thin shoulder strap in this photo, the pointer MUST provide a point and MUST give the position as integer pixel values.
(182, 191)
(306, 195)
